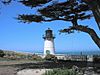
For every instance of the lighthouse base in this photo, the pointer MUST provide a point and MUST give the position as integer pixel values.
(49, 47)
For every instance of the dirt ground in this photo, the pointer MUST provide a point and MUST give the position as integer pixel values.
(30, 67)
(8, 70)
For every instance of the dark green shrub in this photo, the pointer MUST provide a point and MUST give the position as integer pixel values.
(2, 53)
(96, 58)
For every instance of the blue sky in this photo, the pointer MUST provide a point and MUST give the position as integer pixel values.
(28, 37)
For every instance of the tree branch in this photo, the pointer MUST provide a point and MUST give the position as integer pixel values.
(90, 31)
(34, 3)
(56, 19)
(36, 18)
(95, 7)
(6, 2)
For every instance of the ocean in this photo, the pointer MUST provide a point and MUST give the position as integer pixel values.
(75, 53)
(63, 52)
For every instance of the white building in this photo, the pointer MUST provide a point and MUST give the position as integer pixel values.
(49, 47)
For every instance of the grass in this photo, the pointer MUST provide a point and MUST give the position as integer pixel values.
(60, 72)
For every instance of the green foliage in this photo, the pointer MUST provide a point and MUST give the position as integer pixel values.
(71, 10)
(60, 72)
(11, 55)
(2, 53)
(34, 3)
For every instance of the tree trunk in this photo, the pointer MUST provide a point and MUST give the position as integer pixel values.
(90, 31)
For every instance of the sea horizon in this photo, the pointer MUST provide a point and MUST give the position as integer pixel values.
(75, 52)
(59, 52)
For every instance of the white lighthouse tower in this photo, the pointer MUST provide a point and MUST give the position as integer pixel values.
(49, 42)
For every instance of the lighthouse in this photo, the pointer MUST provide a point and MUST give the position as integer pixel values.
(49, 47)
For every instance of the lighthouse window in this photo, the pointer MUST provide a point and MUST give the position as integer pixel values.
(47, 52)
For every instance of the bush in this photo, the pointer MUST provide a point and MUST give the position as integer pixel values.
(2, 53)
(36, 57)
(50, 57)
(96, 58)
